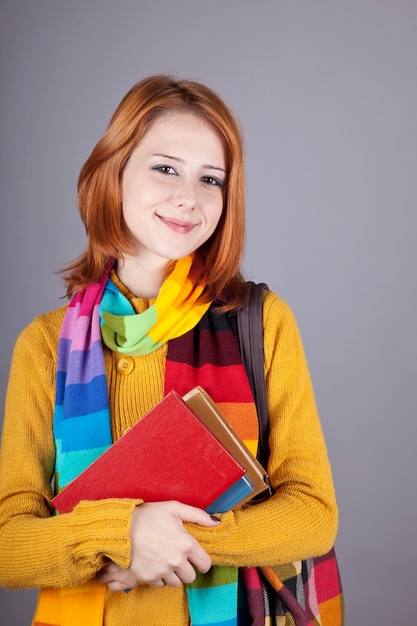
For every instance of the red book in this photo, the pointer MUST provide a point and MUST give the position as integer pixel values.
(168, 455)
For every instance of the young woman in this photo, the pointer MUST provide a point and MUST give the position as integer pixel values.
(152, 309)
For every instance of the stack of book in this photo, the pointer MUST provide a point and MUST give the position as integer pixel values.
(184, 449)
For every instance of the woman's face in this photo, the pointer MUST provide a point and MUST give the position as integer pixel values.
(172, 187)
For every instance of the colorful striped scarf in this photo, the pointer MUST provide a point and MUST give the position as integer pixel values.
(204, 353)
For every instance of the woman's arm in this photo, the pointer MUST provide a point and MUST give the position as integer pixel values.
(39, 549)
(300, 520)
(36, 548)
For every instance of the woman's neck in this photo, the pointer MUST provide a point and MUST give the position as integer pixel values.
(142, 279)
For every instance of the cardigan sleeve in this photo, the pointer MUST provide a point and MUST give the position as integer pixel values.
(38, 548)
(300, 519)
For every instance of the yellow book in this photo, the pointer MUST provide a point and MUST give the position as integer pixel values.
(209, 413)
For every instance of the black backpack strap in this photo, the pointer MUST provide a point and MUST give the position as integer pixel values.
(251, 342)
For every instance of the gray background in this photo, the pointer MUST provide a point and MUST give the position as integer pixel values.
(326, 92)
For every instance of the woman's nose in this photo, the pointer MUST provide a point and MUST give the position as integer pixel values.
(185, 195)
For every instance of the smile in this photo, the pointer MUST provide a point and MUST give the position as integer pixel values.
(177, 225)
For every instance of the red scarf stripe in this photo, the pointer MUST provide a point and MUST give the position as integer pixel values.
(208, 355)
(224, 384)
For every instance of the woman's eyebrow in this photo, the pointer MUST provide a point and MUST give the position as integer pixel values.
(173, 158)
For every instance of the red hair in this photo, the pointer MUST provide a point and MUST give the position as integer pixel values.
(99, 187)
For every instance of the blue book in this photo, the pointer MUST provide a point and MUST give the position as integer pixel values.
(241, 490)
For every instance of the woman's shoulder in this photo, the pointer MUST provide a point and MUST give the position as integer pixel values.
(44, 328)
(51, 318)
(281, 331)
(276, 310)
(272, 300)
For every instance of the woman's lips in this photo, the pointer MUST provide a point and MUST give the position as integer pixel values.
(177, 225)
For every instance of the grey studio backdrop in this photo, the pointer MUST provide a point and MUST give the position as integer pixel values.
(326, 93)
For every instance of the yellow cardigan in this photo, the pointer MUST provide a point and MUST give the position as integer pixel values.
(41, 550)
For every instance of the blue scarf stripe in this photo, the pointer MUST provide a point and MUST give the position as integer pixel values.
(76, 461)
(229, 622)
(214, 605)
(86, 398)
(86, 431)
(61, 377)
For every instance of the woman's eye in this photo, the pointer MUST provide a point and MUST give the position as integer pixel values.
(212, 180)
(165, 169)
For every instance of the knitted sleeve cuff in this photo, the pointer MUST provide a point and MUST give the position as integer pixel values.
(101, 530)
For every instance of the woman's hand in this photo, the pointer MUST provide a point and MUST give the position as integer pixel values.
(162, 551)
(116, 578)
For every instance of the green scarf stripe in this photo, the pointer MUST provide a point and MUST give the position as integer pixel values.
(209, 579)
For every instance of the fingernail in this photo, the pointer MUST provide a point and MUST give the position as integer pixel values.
(215, 519)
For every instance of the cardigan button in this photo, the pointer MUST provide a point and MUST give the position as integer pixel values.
(125, 365)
